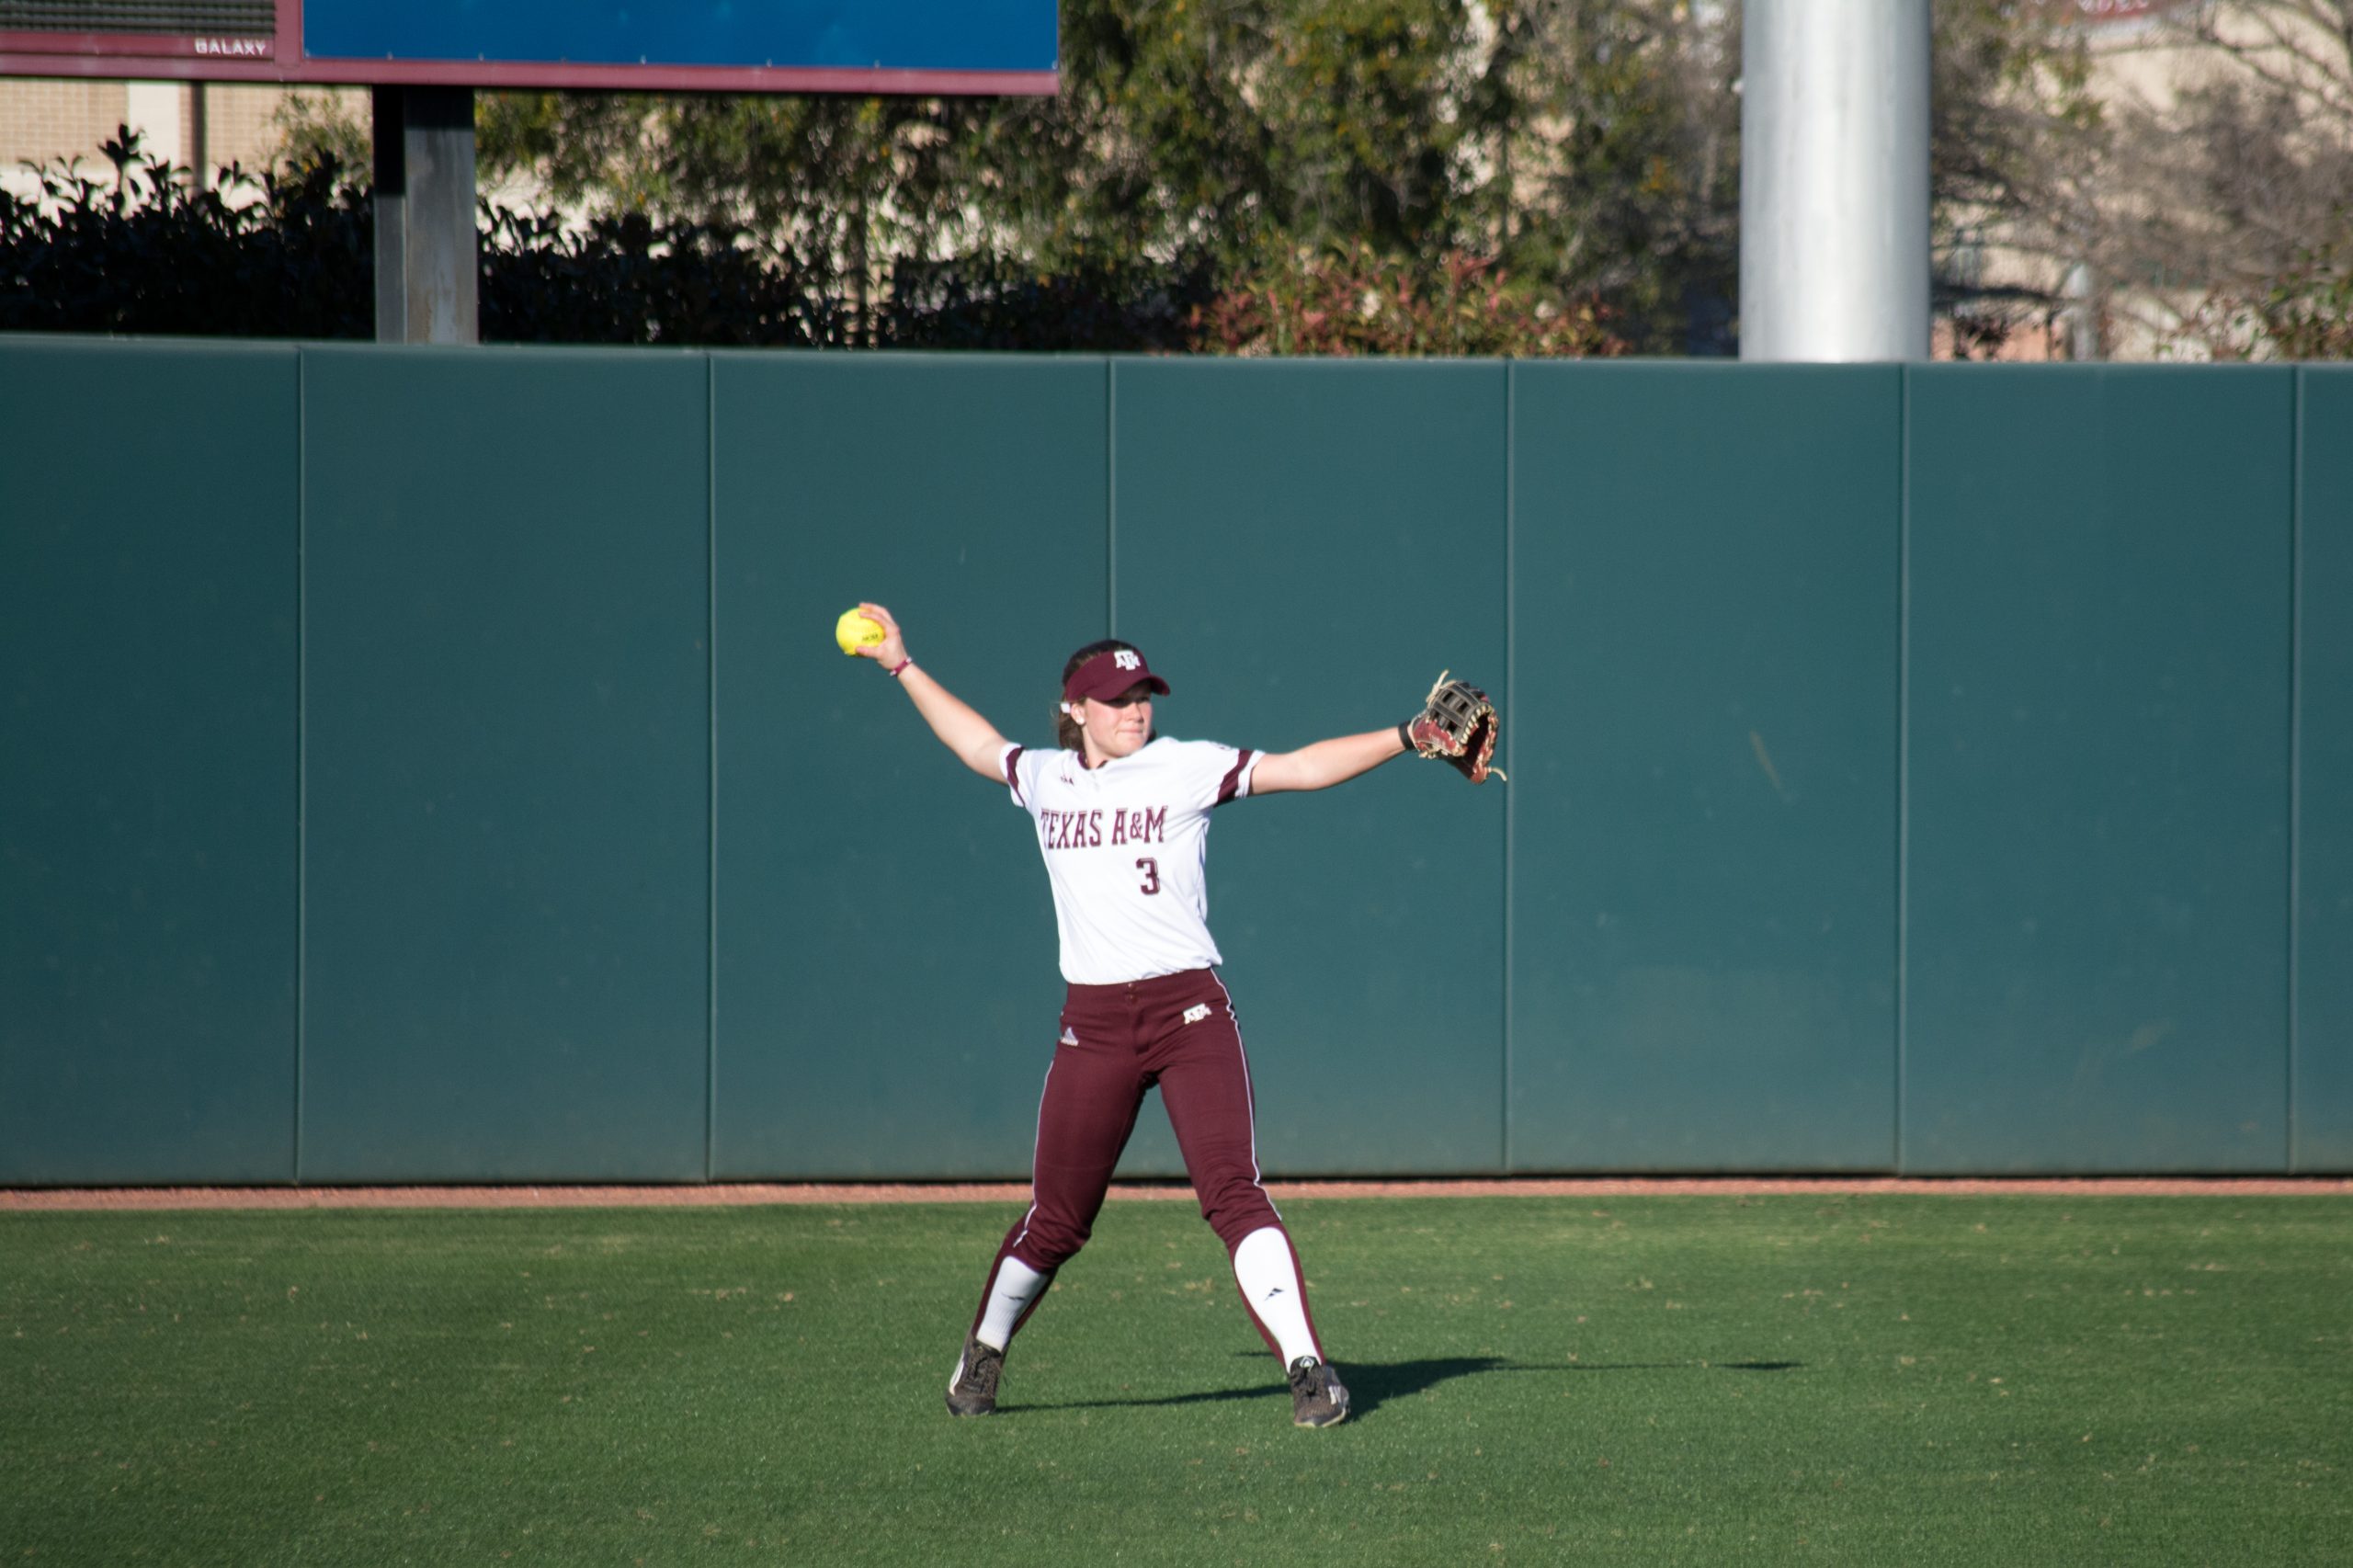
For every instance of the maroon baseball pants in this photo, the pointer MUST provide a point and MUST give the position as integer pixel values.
(1176, 1031)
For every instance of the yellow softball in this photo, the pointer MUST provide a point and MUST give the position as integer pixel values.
(855, 631)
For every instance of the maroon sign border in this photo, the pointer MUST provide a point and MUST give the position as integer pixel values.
(279, 58)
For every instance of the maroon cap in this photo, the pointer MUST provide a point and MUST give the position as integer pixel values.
(1109, 674)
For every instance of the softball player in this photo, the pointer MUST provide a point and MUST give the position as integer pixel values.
(1122, 817)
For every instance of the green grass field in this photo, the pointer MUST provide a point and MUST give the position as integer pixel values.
(1882, 1379)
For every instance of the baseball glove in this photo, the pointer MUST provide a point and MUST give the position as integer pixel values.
(1460, 727)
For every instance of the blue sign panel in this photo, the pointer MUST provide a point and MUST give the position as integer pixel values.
(859, 35)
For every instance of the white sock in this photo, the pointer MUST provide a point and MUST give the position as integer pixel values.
(1262, 1267)
(1016, 1286)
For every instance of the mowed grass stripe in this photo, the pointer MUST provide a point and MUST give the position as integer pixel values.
(1870, 1379)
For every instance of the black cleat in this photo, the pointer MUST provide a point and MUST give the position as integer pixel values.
(1318, 1398)
(973, 1391)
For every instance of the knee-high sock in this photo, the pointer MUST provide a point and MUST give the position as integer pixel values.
(1270, 1285)
(1016, 1286)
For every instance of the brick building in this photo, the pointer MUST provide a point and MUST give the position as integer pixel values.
(202, 125)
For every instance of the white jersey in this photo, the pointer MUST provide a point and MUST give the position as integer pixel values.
(1126, 848)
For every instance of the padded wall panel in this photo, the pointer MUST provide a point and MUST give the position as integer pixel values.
(507, 792)
(515, 944)
(887, 977)
(2324, 1066)
(2100, 612)
(1704, 831)
(1301, 547)
(147, 763)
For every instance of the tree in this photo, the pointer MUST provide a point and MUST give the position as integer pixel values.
(1607, 136)
(2230, 201)
(1579, 150)
(2016, 138)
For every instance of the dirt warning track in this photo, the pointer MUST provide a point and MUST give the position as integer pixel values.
(736, 1194)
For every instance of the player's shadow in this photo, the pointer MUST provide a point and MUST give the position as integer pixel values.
(1373, 1384)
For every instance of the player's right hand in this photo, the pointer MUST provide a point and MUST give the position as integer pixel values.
(892, 652)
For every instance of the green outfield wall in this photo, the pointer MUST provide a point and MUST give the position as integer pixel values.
(433, 766)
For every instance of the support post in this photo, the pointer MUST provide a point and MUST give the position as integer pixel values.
(1834, 185)
(199, 136)
(427, 250)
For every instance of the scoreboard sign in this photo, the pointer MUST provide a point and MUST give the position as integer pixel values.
(773, 46)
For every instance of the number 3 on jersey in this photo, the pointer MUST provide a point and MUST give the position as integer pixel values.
(1151, 869)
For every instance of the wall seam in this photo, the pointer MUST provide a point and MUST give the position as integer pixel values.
(301, 746)
(710, 731)
(1511, 733)
(2298, 388)
(1111, 497)
(1902, 758)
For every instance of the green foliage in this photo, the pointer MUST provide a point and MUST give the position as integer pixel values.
(320, 128)
(148, 254)
(1090, 306)
(627, 279)
(1215, 173)
(2307, 312)
(2016, 141)
(1608, 138)
(1585, 147)
(2230, 210)
(1360, 303)
(1360, 146)
(1212, 174)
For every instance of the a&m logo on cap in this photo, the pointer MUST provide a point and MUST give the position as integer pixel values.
(1126, 659)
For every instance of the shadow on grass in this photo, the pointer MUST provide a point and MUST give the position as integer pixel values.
(1373, 1384)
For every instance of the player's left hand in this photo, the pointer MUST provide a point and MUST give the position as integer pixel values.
(1458, 727)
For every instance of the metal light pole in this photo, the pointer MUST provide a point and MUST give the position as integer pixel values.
(1834, 186)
